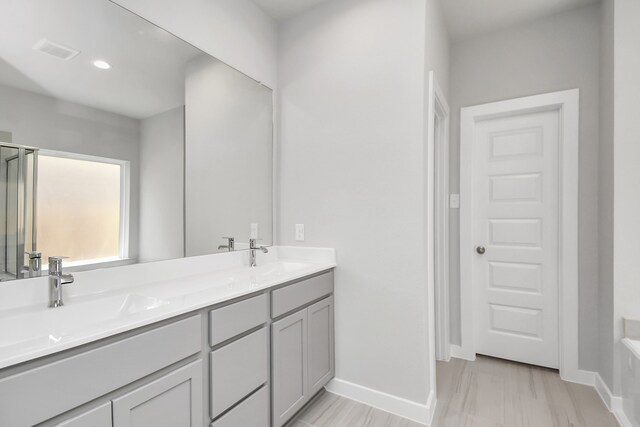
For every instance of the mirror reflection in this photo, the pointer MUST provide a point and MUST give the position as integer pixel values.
(121, 143)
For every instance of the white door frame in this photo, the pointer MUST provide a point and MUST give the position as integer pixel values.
(567, 103)
(438, 213)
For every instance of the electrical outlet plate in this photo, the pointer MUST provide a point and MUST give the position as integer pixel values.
(454, 201)
(300, 232)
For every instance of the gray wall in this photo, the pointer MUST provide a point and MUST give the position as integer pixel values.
(556, 53)
(605, 204)
(352, 134)
(162, 186)
(626, 172)
(5, 136)
(45, 122)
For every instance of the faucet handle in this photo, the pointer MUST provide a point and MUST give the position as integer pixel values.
(33, 254)
(55, 264)
(230, 246)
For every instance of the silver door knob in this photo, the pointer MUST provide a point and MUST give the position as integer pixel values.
(481, 250)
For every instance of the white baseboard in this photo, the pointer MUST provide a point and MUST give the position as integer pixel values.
(424, 413)
(621, 416)
(579, 376)
(459, 353)
(613, 403)
(603, 390)
(420, 413)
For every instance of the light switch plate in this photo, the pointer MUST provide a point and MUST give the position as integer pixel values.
(254, 230)
(300, 232)
(454, 201)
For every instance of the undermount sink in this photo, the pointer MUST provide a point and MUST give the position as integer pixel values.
(99, 305)
(41, 325)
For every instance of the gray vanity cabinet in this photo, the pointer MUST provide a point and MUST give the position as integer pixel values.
(303, 359)
(174, 400)
(217, 366)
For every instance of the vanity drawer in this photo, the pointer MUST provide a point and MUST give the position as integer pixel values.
(96, 417)
(234, 319)
(39, 394)
(253, 412)
(291, 297)
(238, 369)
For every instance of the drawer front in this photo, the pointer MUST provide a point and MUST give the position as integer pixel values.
(294, 296)
(96, 417)
(234, 319)
(27, 396)
(238, 369)
(253, 412)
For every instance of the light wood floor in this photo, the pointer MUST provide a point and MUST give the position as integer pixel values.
(485, 393)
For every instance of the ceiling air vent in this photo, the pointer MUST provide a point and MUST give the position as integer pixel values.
(55, 49)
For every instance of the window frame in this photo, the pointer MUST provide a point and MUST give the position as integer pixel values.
(125, 208)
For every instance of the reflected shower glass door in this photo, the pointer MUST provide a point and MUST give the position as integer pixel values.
(18, 166)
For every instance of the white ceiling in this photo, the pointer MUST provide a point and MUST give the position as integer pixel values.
(283, 9)
(467, 18)
(148, 63)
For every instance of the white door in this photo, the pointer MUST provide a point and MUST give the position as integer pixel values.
(515, 230)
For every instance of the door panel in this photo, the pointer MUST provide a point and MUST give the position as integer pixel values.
(289, 378)
(174, 400)
(320, 342)
(516, 219)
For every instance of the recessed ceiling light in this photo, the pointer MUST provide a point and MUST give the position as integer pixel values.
(103, 65)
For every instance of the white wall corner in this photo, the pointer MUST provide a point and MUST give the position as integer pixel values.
(417, 412)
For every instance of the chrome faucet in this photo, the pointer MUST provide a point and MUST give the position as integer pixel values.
(230, 246)
(56, 280)
(252, 251)
(34, 269)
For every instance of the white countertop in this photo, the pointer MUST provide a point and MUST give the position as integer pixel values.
(633, 345)
(107, 302)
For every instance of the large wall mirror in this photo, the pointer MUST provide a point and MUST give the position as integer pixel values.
(122, 143)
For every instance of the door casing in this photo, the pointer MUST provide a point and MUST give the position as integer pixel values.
(567, 104)
(438, 213)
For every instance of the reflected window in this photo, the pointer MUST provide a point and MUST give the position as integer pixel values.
(82, 210)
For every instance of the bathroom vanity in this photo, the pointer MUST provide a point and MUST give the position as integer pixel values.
(233, 346)
(142, 161)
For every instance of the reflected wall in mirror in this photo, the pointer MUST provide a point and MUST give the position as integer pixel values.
(147, 148)
(223, 105)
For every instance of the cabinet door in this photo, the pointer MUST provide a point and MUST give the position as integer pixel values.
(289, 382)
(174, 400)
(320, 344)
(96, 417)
